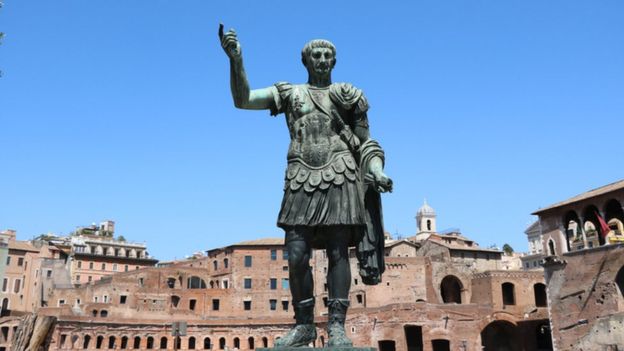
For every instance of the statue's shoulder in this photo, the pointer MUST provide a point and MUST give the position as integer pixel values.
(348, 96)
(284, 89)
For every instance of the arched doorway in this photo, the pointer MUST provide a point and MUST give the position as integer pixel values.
(499, 336)
(592, 224)
(450, 289)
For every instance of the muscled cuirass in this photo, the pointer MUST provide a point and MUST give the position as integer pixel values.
(313, 125)
(317, 155)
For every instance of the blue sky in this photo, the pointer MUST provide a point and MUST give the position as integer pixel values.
(121, 110)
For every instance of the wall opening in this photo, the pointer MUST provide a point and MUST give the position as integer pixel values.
(124, 342)
(207, 345)
(543, 337)
(196, 283)
(387, 345)
(413, 337)
(191, 343)
(551, 247)
(265, 342)
(539, 290)
(150, 343)
(499, 335)
(509, 296)
(236, 343)
(441, 345)
(450, 289)
(222, 343)
(163, 342)
(137, 342)
(250, 343)
(86, 341)
(111, 342)
(98, 342)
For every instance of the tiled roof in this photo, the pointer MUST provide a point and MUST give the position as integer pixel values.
(261, 242)
(22, 245)
(586, 195)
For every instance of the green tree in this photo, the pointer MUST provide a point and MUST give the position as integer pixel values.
(508, 249)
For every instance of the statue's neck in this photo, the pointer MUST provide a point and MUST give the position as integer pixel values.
(319, 82)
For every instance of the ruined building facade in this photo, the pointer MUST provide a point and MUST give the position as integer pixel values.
(439, 292)
(583, 238)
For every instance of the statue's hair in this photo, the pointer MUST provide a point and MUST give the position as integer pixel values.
(316, 43)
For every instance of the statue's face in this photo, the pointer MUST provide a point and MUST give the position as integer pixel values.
(320, 61)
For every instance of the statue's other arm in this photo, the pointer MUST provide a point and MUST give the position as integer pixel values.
(375, 171)
(257, 99)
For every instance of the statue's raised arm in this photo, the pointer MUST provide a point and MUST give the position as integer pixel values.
(257, 99)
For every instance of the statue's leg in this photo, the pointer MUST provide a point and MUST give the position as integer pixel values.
(338, 284)
(301, 288)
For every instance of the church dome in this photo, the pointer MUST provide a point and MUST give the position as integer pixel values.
(426, 210)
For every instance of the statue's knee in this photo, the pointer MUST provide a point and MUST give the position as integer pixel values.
(298, 260)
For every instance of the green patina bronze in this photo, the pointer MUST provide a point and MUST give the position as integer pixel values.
(333, 179)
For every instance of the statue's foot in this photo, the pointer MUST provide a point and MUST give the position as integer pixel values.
(337, 336)
(300, 335)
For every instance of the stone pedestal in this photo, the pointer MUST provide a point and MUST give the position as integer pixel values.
(352, 348)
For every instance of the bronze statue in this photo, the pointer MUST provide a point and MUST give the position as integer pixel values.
(333, 180)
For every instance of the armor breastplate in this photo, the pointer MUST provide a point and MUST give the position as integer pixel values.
(314, 138)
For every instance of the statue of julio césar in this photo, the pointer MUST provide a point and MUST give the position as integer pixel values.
(333, 180)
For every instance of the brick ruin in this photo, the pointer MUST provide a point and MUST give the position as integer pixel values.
(440, 291)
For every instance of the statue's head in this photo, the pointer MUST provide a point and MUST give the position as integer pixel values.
(319, 56)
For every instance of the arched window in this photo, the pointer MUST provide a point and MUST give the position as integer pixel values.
(124, 342)
(211, 284)
(207, 345)
(195, 283)
(440, 345)
(539, 291)
(163, 342)
(111, 342)
(250, 343)
(450, 289)
(509, 295)
(429, 225)
(137, 342)
(171, 283)
(191, 343)
(150, 343)
(265, 342)
(175, 300)
(99, 341)
(226, 263)
(551, 247)
(86, 341)
(104, 313)
(222, 344)
(236, 343)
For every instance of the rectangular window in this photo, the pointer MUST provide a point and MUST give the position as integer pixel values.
(225, 284)
(79, 264)
(272, 305)
(192, 303)
(78, 278)
(285, 284)
(247, 261)
(285, 305)
(359, 298)
(123, 299)
(103, 266)
(273, 255)
(285, 268)
(115, 267)
(247, 283)
(5, 284)
(48, 274)
(16, 286)
(285, 254)
(61, 302)
(20, 261)
(105, 299)
(8, 260)
(273, 283)
(77, 302)
(215, 304)
(95, 299)
(89, 278)
(125, 268)
(90, 265)
(247, 305)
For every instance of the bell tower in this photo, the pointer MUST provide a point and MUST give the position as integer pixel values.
(426, 219)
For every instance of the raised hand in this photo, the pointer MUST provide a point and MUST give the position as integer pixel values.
(229, 43)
